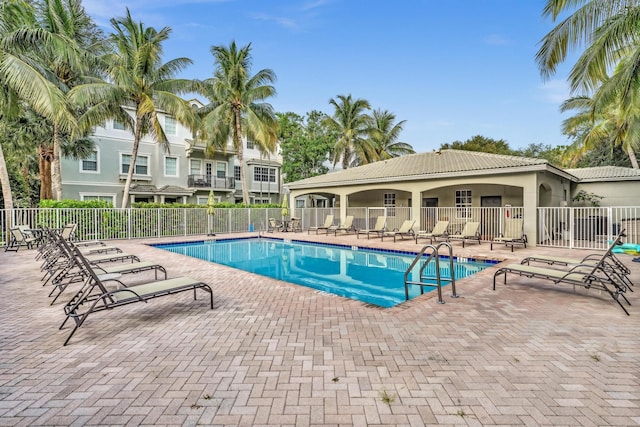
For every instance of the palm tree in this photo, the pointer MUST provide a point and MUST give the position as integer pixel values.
(68, 20)
(351, 124)
(593, 126)
(606, 28)
(237, 106)
(384, 135)
(45, 55)
(138, 81)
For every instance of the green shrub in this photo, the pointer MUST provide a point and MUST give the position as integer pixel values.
(225, 205)
(74, 204)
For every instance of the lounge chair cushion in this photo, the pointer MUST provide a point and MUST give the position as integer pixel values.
(153, 289)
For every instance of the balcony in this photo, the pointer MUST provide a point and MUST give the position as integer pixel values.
(192, 147)
(209, 181)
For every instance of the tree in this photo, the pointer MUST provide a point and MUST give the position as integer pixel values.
(605, 28)
(305, 145)
(68, 20)
(236, 105)
(541, 151)
(480, 143)
(384, 135)
(44, 54)
(594, 126)
(351, 125)
(20, 136)
(609, 33)
(137, 81)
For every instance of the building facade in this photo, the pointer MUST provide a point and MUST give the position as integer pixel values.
(181, 172)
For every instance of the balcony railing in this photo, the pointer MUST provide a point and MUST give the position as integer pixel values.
(210, 181)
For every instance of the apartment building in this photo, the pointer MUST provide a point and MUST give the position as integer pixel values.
(180, 174)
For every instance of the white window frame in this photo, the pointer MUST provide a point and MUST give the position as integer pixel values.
(251, 145)
(225, 165)
(170, 126)
(389, 202)
(135, 172)
(177, 166)
(463, 203)
(259, 201)
(301, 203)
(237, 173)
(193, 162)
(97, 171)
(203, 200)
(118, 125)
(100, 196)
(270, 174)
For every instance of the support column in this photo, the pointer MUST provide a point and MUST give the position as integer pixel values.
(416, 212)
(530, 206)
(343, 207)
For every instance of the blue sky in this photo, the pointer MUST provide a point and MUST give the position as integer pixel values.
(451, 69)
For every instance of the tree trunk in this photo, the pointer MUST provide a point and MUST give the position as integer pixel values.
(56, 170)
(240, 149)
(345, 157)
(132, 165)
(44, 168)
(632, 157)
(6, 193)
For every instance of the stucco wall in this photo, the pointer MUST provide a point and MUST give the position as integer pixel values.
(621, 193)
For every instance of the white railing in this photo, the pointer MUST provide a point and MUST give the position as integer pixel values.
(105, 224)
(587, 228)
(491, 219)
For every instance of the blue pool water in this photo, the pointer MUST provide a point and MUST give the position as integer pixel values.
(372, 276)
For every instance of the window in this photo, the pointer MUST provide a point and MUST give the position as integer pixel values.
(90, 164)
(141, 167)
(170, 166)
(109, 198)
(170, 126)
(236, 173)
(221, 170)
(389, 201)
(300, 203)
(195, 166)
(261, 201)
(463, 204)
(250, 144)
(262, 174)
(118, 125)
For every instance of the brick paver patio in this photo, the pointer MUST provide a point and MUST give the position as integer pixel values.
(272, 353)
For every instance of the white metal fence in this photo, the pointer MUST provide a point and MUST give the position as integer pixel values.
(588, 228)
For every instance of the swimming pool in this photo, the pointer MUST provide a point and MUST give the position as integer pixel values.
(368, 275)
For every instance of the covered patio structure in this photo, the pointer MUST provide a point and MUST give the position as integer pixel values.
(461, 180)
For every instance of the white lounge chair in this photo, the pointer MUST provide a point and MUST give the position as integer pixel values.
(405, 230)
(470, 232)
(513, 233)
(379, 228)
(328, 222)
(439, 230)
(346, 226)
